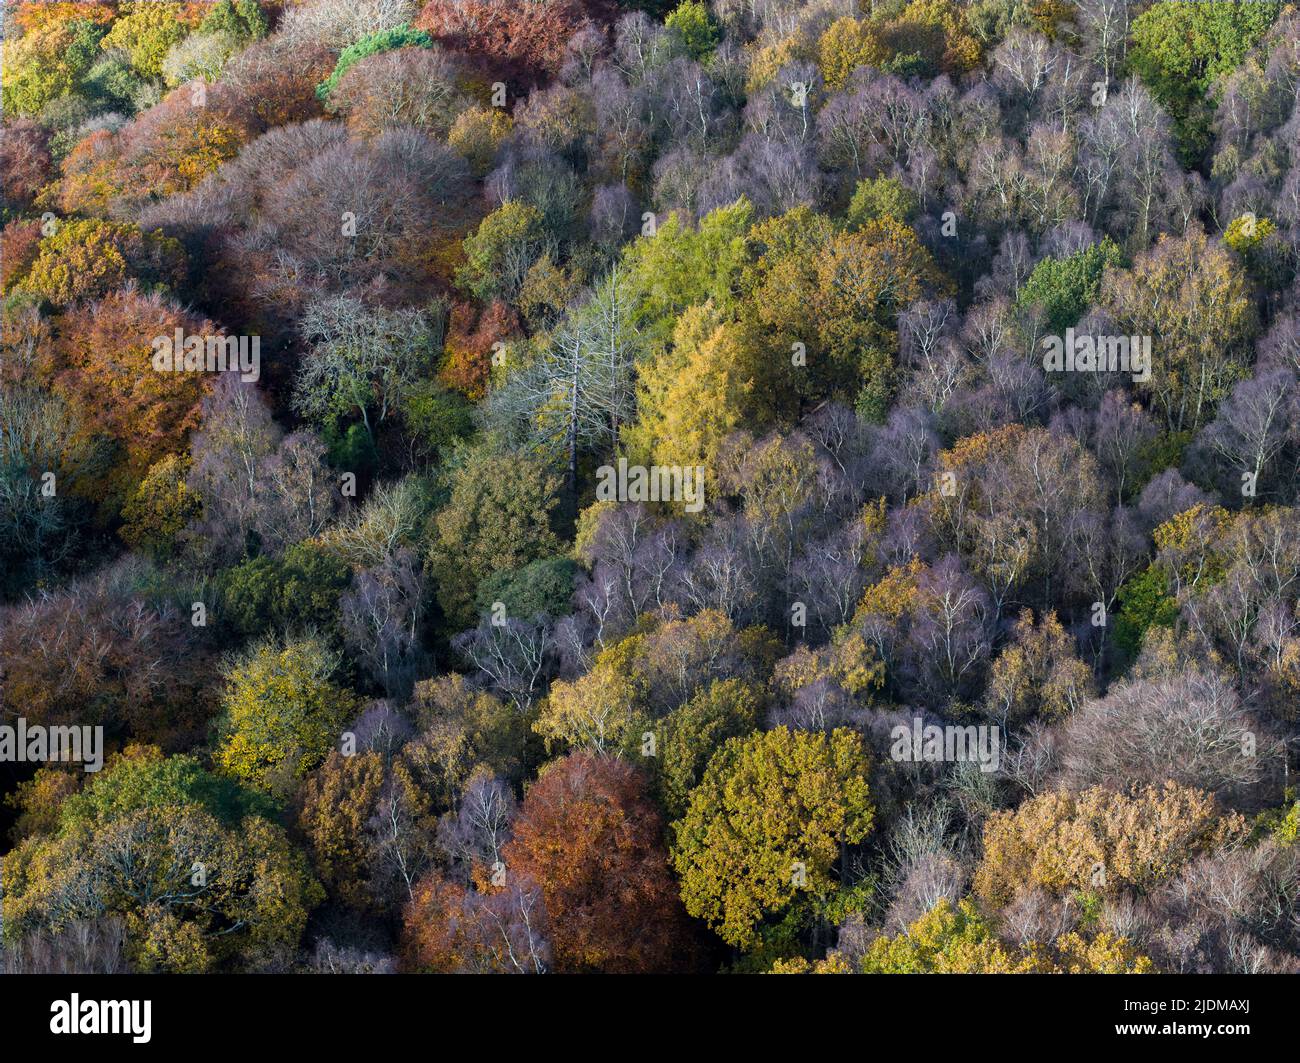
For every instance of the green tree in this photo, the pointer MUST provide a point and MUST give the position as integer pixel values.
(695, 24)
(881, 197)
(298, 590)
(142, 778)
(681, 265)
(245, 20)
(1144, 602)
(541, 586)
(497, 519)
(1064, 288)
(693, 732)
(372, 44)
(500, 252)
(1179, 49)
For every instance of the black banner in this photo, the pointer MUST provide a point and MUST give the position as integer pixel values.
(233, 1013)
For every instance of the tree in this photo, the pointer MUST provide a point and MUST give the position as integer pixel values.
(544, 586)
(1013, 504)
(409, 87)
(93, 653)
(363, 360)
(1194, 302)
(1191, 729)
(463, 727)
(372, 44)
(182, 854)
(693, 732)
(194, 894)
(770, 819)
(1099, 840)
(200, 56)
(261, 491)
(692, 20)
(283, 712)
(339, 800)
(475, 835)
(576, 395)
(839, 294)
(381, 617)
(46, 63)
(25, 158)
(1145, 602)
(599, 711)
(106, 372)
(168, 148)
(336, 24)
(40, 434)
(161, 507)
(590, 838)
(497, 518)
(298, 590)
(948, 940)
(146, 32)
(881, 197)
(681, 265)
(847, 44)
(1254, 426)
(1179, 51)
(450, 928)
(500, 252)
(522, 43)
(141, 777)
(1037, 674)
(1064, 288)
(244, 19)
(690, 398)
(88, 259)
(477, 134)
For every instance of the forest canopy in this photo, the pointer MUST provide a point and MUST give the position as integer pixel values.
(595, 486)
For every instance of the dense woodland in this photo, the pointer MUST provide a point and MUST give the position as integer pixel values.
(372, 652)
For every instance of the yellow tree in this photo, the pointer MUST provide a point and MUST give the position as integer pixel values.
(1194, 301)
(862, 281)
(1099, 841)
(769, 821)
(959, 940)
(692, 396)
(283, 713)
(1038, 673)
(847, 44)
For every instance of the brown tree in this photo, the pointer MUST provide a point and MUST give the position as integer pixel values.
(591, 839)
